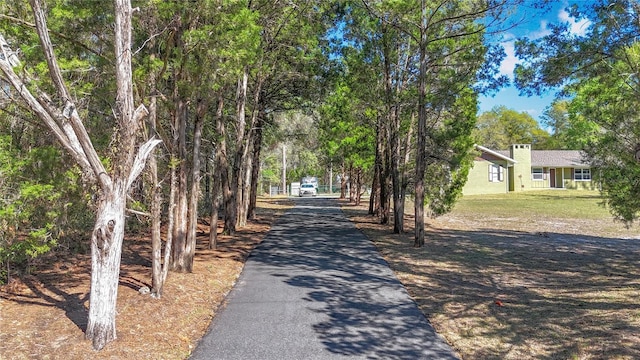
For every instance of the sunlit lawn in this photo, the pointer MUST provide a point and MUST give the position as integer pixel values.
(550, 203)
(540, 275)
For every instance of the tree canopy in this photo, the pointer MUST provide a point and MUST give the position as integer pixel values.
(502, 127)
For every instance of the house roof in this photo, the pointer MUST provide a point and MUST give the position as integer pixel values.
(559, 158)
(554, 158)
(497, 154)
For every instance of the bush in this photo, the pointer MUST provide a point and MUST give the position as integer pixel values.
(37, 202)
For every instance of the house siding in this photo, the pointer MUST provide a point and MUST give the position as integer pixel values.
(478, 180)
(521, 153)
(518, 164)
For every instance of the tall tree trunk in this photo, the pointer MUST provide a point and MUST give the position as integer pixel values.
(404, 177)
(392, 132)
(351, 184)
(422, 131)
(358, 185)
(385, 197)
(192, 231)
(106, 249)
(67, 126)
(343, 181)
(255, 169)
(249, 141)
(396, 178)
(375, 193)
(181, 209)
(171, 215)
(374, 200)
(157, 280)
(246, 190)
(108, 233)
(218, 171)
(231, 212)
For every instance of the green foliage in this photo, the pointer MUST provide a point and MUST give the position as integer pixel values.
(606, 110)
(347, 135)
(38, 202)
(502, 127)
(450, 155)
(600, 70)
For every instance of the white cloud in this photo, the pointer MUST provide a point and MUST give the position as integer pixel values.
(541, 32)
(578, 28)
(509, 62)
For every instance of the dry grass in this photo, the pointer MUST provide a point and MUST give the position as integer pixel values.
(504, 283)
(44, 316)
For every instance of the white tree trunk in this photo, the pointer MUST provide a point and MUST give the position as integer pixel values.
(68, 128)
(106, 248)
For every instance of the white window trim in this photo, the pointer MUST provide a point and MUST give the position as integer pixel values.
(575, 174)
(541, 173)
(496, 173)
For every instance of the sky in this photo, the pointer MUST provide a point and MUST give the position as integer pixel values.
(534, 25)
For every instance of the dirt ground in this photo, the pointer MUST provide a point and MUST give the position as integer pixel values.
(495, 288)
(521, 288)
(44, 315)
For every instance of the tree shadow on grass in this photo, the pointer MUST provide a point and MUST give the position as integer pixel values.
(65, 285)
(49, 291)
(514, 294)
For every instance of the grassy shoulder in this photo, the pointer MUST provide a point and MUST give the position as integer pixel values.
(544, 275)
(551, 203)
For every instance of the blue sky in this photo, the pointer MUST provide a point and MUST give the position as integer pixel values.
(534, 24)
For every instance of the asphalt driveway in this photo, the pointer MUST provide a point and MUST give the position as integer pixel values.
(316, 288)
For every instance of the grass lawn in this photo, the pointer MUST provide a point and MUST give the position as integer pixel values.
(536, 275)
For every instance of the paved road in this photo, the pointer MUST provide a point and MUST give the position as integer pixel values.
(316, 288)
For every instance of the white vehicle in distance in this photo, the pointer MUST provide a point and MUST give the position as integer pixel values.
(307, 189)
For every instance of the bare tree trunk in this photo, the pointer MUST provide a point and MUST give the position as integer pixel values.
(108, 233)
(68, 128)
(403, 169)
(157, 280)
(358, 185)
(351, 184)
(343, 181)
(375, 193)
(246, 189)
(422, 130)
(190, 245)
(181, 208)
(255, 169)
(218, 171)
(396, 178)
(385, 197)
(106, 248)
(231, 213)
(248, 142)
(374, 201)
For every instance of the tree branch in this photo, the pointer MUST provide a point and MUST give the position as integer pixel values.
(46, 113)
(69, 112)
(141, 158)
(57, 34)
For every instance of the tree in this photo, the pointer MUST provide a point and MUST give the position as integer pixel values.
(600, 69)
(501, 127)
(426, 55)
(65, 123)
(448, 39)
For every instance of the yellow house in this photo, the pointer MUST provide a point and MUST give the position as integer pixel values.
(522, 169)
